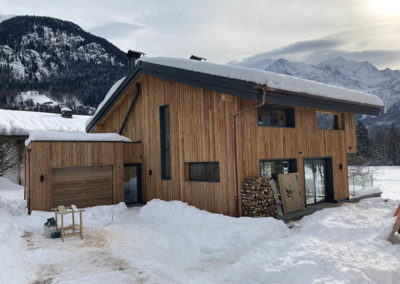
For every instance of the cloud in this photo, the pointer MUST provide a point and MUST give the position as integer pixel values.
(117, 30)
(306, 46)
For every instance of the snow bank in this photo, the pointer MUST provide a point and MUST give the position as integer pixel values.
(42, 135)
(11, 205)
(196, 226)
(270, 79)
(12, 197)
(388, 180)
(23, 122)
(11, 260)
(106, 98)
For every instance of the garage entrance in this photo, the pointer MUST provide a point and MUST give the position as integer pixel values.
(82, 186)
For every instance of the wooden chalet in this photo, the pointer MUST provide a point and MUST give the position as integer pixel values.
(201, 128)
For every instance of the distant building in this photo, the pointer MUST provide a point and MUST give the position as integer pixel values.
(66, 112)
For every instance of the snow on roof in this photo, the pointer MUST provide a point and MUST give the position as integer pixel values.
(256, 76)
(65, 109)
(43, 135)
(106, 98)
(269, 79)
(23, 122)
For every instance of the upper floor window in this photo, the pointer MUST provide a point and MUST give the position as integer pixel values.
(276, 116)
(327, 120)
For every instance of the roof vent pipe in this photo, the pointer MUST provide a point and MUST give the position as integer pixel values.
(132, 56)
(198, 58)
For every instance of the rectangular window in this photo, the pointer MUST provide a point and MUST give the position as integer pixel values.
(202, 171)
(271, 168)
(326, 120)
(278, 116)
(165, 143)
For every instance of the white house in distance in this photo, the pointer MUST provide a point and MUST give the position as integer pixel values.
(16, 125)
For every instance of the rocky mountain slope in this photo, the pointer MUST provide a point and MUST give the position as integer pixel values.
(56, 58)
(349, 74)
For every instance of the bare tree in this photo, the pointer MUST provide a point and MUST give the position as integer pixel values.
(8, 152)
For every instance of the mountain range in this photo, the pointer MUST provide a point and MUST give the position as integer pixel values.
(56, 58)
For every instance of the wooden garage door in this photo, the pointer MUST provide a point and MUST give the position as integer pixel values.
(82, 186)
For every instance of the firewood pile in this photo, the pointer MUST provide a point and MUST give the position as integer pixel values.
(258, 198)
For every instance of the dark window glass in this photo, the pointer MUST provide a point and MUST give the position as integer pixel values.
(197, 171)
(329, 121)
(206, 171)
(212, 171)
(165, 143)
(271, 168)
(272, 115)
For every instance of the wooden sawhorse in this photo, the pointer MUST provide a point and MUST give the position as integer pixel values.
(73, 229)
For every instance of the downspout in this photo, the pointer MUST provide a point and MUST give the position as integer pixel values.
(25, 176)
(29, 181)
(234, 143)
(130, 108)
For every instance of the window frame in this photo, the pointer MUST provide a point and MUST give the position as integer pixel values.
(292, 163)
(338, 120)
(165, 143)
(289, 112)
(206, 178)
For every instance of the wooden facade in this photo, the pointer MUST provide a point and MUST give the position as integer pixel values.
(201, 131)
(91, 172)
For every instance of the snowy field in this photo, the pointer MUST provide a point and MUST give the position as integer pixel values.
(170, 242)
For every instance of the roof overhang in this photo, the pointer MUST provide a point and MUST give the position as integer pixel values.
(235, 87)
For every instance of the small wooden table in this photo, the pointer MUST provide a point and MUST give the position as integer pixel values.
(73, 229)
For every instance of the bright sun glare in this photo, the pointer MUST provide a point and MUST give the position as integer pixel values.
(387, 7)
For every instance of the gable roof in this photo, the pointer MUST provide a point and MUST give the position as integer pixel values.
(240, 82)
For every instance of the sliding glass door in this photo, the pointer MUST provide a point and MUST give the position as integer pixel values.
(315, 176)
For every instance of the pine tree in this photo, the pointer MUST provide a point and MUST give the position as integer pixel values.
(394, 145)
(363, 144)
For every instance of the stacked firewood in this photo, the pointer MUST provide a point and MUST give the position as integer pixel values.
(258, 198)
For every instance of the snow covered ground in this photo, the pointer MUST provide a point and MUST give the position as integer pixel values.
(170, 242)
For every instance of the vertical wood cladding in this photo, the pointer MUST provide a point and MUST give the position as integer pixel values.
(201, 131)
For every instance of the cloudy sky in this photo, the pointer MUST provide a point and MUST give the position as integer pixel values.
(228, 30)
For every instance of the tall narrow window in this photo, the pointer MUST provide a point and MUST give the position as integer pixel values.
(165, 143)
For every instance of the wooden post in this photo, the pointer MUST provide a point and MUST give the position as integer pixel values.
(73, 221)
(24, 176)
(80, 224)
(55, 217)
(62, 227)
